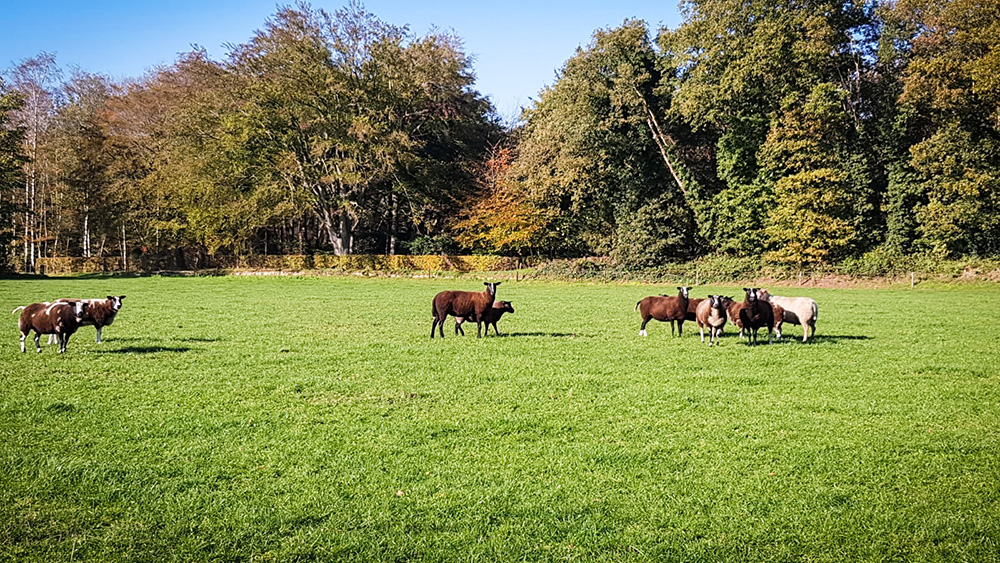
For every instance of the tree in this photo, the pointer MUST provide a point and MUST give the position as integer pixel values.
(80, 149)
(735, 63)
(951, 95)
(35, 79)
(595, 157)
(502, 220)
(12, 162)
(819, 207)
(361, 117)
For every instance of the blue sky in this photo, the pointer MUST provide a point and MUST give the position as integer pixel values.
(518, 45)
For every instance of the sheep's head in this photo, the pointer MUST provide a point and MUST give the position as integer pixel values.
(491, 287)
(80, 309)
(751, 293)
(683, 291)
(763, 294)
(504, 306)
(116, 302)
(717, 301)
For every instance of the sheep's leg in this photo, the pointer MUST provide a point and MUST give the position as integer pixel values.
(63, 341)
(53, 339)
(680, 327)
(496, 332)
(479, 328)
(38, 347)
(701, 329)
(435, 325)
(98, 335)
(672, 327)
(642, 329)
(23, 336)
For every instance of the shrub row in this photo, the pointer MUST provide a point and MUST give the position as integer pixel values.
(707, 269)
(300, 262)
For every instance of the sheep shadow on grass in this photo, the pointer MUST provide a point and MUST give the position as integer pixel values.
(836, 338)
(146, 350)
(546, 334)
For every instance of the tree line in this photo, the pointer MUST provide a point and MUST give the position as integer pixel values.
(804, 132)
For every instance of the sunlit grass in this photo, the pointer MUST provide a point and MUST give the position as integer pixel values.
(314, 418)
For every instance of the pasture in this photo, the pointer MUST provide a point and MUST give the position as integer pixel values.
(299, 419)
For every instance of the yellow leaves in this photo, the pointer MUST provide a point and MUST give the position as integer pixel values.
(810, 223)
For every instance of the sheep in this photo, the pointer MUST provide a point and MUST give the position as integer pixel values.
(470, 305)
(692, 312)
(797, 310)
(755, 314)
(61, 319)
(100, 313)
(779, 318)
(711, 313)
(664, 309)
(733, 312)
(492, 316)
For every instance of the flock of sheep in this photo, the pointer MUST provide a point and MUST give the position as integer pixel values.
(759, 309)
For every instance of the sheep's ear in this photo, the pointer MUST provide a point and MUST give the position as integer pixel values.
(496, 283)
(121, 297)
(111, 298)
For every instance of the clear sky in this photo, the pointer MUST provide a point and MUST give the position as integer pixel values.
(517, 45)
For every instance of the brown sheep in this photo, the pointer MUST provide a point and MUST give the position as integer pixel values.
(492, 316)
(755, 314)
(664, 309)
(471, 305)
(100, 312)
(712, 313)
(733, 312)
(61, 319)
(779, 316)
(692, 314)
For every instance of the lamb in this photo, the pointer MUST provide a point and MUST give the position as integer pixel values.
(100, 312)
(470, 305)
(60, 319)
(755, 314)
(797, 310)
(711, 313)
(492, 316)
(664, 309)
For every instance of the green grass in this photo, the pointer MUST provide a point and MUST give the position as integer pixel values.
(298, 419)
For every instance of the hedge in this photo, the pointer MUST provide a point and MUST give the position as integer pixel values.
(301, 262)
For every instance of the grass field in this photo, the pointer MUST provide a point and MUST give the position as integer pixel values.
(300, 419)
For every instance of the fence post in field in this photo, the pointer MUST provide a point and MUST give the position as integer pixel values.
(911, 280)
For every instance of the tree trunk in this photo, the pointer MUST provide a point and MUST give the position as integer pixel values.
(86, 234)
(393, 225)
(124, 249)
(345, 238)
(662, 141)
